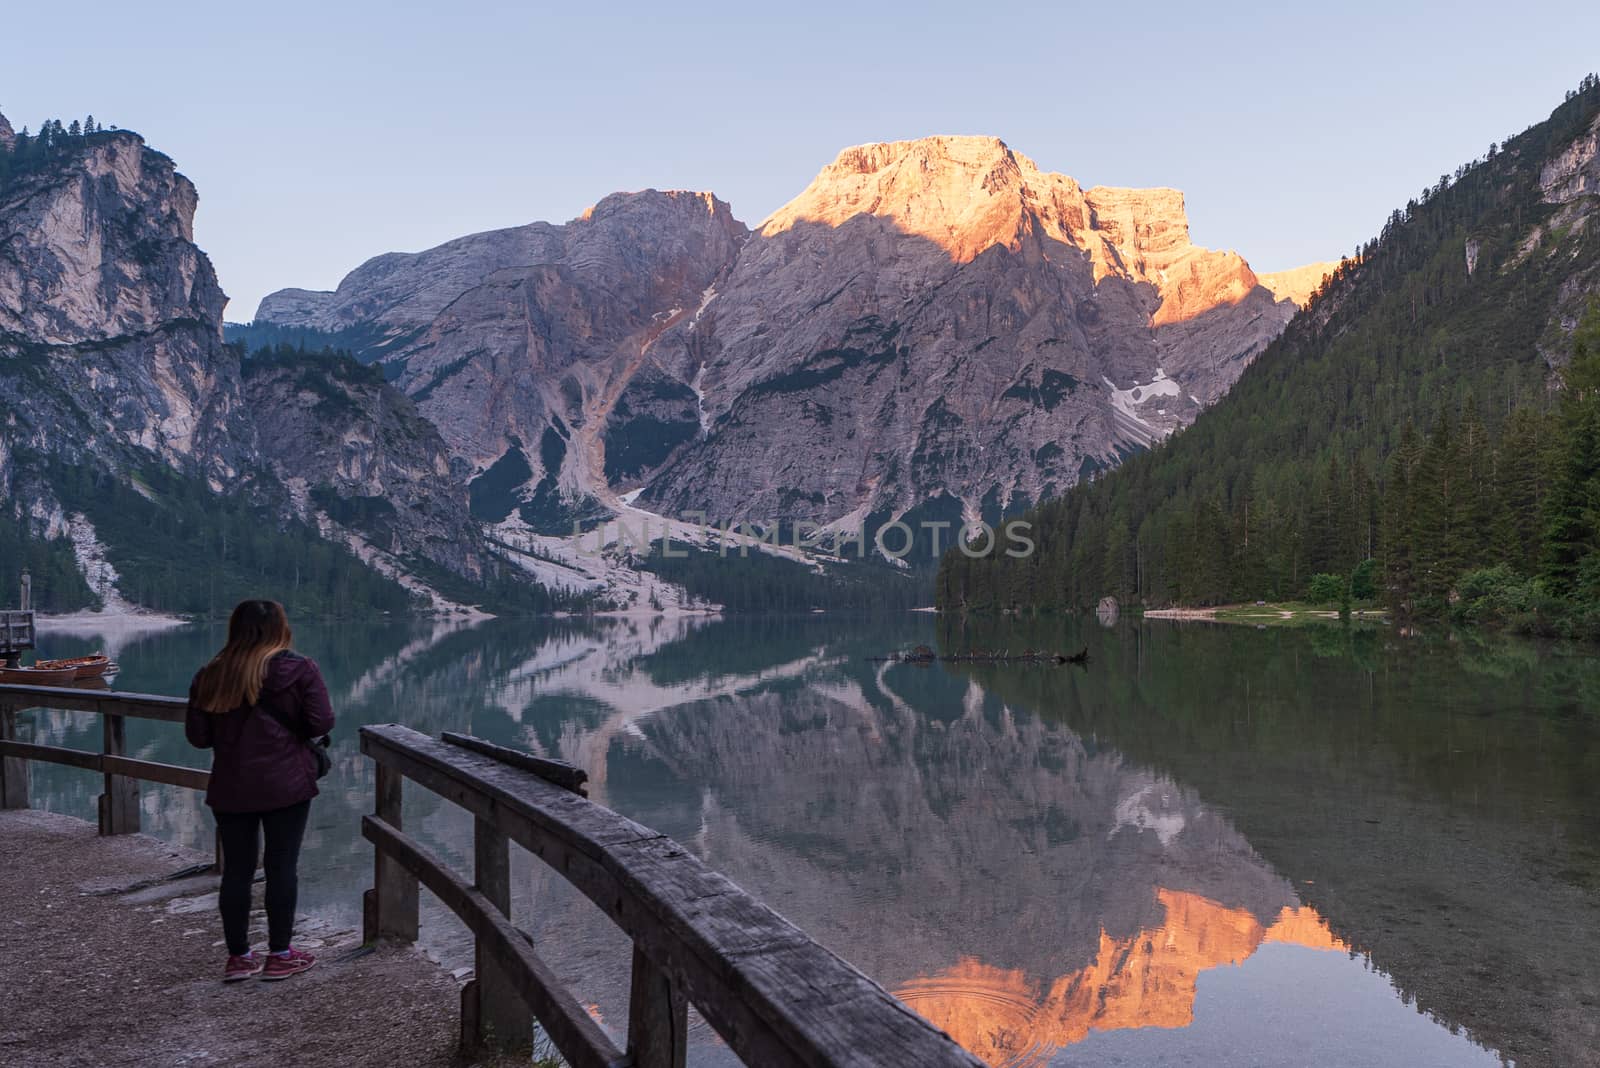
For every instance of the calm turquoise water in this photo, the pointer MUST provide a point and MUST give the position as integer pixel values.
(1213, 846)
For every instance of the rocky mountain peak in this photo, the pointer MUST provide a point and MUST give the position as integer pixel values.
(113, 224)
(1298, 283)
(399, 294)
(922, 163)
(1149, 227)
(969, 194)
(964, 194)
(8, 136)
(671, 199)
(958, 322)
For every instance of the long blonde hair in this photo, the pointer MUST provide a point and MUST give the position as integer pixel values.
(257, 632)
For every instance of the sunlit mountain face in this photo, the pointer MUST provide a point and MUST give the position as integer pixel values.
(1216, 847)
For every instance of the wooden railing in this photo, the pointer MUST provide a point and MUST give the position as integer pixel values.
(119, 803)
(777, 998)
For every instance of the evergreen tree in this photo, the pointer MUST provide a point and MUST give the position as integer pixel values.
(1323, 520)
(1118, 563)
(1399, 532)
(1572, 509)
(1437, 501)
(1476, 458)
(1517, 490)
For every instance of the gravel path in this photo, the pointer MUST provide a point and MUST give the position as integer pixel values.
(106, 959)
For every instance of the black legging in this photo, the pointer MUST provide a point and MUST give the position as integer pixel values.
(240, 834)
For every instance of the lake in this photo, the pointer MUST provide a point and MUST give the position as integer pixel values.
(1210, 846)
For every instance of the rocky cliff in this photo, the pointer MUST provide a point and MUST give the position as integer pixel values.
(1574, 172)
(110, 316)
(927, 319)
(532, 346)
(357, 458)
(112, 360)
(557, 341)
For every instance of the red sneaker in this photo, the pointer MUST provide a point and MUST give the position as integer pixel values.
(291, 963)
(246, 967)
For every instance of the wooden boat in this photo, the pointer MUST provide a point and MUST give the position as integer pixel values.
(36, 676)
(83, 667)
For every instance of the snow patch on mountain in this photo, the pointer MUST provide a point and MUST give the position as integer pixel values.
(698, 384)
(1126, 404)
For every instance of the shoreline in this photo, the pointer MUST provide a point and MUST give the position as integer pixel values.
(1181, 613)
(653, 613)
(88, 621)
(1268, 614)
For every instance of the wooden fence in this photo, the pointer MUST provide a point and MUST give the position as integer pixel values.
(777, 998)
(119, 803)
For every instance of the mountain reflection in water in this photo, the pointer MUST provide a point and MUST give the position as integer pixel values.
(1213, 846)
(1144, 980)
(1147, 980)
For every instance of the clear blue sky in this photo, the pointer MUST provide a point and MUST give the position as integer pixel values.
(323, 133)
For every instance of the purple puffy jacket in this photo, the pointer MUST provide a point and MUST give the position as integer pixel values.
(257, 765)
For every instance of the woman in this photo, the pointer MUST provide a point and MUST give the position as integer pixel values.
(256, 705)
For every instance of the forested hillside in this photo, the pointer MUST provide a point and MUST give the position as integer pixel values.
(179, 547)
(1405, 438)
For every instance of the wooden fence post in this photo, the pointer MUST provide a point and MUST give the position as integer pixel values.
(658, 1018)
(493, 1014)
(13, 770)
(390, 910)
(119, 805)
